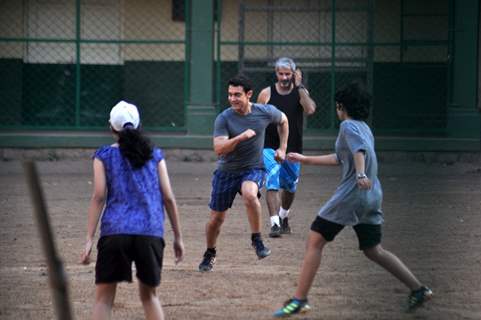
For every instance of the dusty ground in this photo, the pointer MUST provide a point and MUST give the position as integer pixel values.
(433, 223)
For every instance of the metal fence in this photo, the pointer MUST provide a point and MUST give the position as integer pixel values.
(399, 48)
(64, 63)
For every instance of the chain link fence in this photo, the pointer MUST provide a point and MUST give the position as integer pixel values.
(399, 48)
(65, 63)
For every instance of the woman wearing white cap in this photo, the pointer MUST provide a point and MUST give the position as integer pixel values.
(131, 188)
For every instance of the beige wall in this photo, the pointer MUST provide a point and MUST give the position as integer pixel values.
(351, 26)
(100, 20)
(152, 20)
(11, 26)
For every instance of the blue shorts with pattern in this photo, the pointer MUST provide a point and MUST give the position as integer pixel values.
(283, 175)
(225, 186)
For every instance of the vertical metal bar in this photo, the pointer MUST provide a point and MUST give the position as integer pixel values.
(451, 30)
(333, 64)
(270, 29)
(401, 33)
(77, 62)
(187, 44)
(219, 56)
(479, 58)
(241, 35)
(56, 272)
(370, 55)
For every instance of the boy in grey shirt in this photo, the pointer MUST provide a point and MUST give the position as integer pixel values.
(238, 141)
(356, 202)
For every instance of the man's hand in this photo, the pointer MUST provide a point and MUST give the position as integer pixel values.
(246, 135)
(298, 77)
(280, 155)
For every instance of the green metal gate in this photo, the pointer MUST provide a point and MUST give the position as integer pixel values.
(399, 48)
(64, 63)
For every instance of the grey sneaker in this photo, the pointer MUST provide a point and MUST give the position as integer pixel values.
(261, 250)
(207, 262)
(418, 297)
(275, 231)
(285, 229)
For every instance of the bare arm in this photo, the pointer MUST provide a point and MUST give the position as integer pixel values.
(324, 160)
(172, 212)
(223, 145)
(264, 96)
(359, 163)
(283, 131)
(97, 202)
(306, 101)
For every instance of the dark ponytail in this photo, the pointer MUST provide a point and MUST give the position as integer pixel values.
(134, 146)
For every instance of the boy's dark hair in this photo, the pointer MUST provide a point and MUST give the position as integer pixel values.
(355, 99)
(134, 146)
(241, 80)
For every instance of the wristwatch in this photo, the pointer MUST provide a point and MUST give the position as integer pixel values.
(361, 176)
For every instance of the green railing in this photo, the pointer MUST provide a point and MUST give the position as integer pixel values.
(398, 48)
(64, 65)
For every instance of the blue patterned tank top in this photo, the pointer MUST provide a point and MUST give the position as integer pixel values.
(134, 198)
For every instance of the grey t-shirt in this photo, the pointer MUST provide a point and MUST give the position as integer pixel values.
(248, 153)
(351, 205)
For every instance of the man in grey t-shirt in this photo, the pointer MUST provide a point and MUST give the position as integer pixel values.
(238, 141)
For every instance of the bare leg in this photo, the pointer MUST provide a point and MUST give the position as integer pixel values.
(212, 228)
(253, 205)
(272, 200)
(286, 199)
(393, 265)
(312, 260)
(150, 302)
(104, 299)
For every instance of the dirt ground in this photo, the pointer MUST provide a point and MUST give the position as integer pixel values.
(433, 223)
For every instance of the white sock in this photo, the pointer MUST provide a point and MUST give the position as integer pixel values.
(275, 220)
(283, 213)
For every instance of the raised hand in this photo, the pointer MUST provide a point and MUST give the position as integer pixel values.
(298, 77)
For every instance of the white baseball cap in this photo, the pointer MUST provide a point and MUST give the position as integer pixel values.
(123, 113)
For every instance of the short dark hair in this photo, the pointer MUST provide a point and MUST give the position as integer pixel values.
(355, 100)
(241, 80)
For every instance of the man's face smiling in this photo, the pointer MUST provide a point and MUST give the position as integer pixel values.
(284, 77)
(238, 99)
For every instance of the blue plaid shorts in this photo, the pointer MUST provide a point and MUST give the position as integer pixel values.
(225, 186)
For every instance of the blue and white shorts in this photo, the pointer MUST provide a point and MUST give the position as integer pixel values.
(225, 186)
(283, 175)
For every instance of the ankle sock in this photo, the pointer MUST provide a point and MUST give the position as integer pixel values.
(283, 213)
(275, 220)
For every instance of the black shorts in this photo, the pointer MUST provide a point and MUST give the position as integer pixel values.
(369, 235)
(117, 252)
